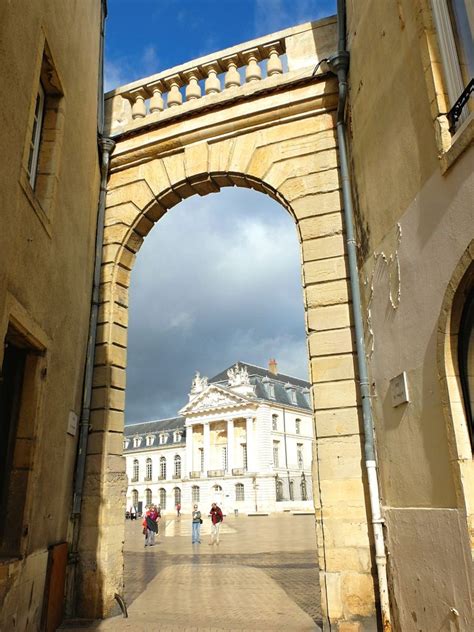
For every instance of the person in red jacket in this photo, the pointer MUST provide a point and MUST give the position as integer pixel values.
(216, 519)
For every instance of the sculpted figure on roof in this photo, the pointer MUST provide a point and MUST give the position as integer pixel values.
(199, 383)
(238, 375)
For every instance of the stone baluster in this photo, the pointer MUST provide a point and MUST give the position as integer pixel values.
(253, 71)
(274, 65)
(232, 76)
(212, 84)
(174, 95)
(137, 97)
(193, 89)
(156, 89)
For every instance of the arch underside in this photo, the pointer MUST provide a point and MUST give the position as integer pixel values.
(292, 157)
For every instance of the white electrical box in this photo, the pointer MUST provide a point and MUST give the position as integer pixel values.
(399, 390)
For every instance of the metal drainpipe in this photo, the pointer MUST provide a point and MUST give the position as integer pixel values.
(106, 147)
(339, 64)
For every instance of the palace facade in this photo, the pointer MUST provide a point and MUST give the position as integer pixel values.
(244, 440)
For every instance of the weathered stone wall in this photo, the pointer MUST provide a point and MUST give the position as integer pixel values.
(47, 240)
(414, 189)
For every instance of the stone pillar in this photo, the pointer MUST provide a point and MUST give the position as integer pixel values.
(189, 450)
(207, 446)
(230, 445)
(250, 438)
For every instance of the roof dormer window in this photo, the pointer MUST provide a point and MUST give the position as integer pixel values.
(269, 387)
(150, 440)
(126, 443)
(136, 442)
(177, 436)
(291, 393)
(162, 438)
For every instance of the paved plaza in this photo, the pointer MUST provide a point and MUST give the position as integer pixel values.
(262, 576)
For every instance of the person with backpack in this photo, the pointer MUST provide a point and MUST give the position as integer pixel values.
(216, 519)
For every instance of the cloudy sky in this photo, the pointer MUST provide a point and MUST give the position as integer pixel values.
(218, 278)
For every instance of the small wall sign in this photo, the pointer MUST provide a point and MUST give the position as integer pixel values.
(399, 390)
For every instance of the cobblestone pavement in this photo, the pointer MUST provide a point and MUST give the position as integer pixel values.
(262, 576)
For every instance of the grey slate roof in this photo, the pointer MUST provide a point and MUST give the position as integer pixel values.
(258, 376)
(156, 427)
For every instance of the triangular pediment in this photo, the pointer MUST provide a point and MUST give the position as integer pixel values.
(214, 398)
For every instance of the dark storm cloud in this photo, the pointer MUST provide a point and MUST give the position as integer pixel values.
(216, 281)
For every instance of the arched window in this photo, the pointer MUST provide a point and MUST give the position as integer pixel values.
(162, 467)
(149, 469)
(217, 488)
(279, 489)
(239, 492)
(134, 497)
(136, 470)
(177, 496)
(195, 494)
(162, 498)
(466, 361)
(177, 466)
(148, 497)
(304, 491)
(292, 490)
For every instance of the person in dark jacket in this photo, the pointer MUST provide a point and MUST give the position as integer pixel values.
(216, 519)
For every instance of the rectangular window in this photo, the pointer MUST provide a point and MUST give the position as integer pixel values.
(224, 458)
(276, 456)
(244, 456)
(274, 422)
(299, 452)
(36, 137)
(454, 20)
(201, 458)
(298, 426)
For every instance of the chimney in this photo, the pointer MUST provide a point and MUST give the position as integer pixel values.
(272, 366)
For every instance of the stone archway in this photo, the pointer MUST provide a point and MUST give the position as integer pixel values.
(281, 142)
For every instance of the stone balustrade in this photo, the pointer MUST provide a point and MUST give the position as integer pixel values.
(195, 474)
(263, 60)
(216, 473)
(212, 77)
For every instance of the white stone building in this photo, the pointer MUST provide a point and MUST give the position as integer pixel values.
(244, 440)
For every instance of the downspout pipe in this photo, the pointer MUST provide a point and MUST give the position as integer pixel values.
(105, 147)
(339, 64)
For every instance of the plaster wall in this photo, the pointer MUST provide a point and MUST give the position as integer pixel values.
(415, 224)
(46, 262)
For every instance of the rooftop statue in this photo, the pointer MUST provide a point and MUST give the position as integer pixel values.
(238, 375)
(199, 383)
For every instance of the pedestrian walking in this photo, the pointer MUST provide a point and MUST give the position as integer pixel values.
(133, 513)
(150, 525)
(178, 510)
(196, 525)
(216, 519)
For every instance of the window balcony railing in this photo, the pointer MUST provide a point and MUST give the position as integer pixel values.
(176, 476)
(195, 474)
(215, 473)
(134, 479)
(161, 477)
(238, 471)
(456, 111)
(148, 478)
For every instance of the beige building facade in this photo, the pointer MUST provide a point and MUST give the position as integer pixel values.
(414, 184)
(49, 172)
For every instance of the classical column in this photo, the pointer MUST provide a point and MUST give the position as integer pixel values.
(207, 447)
(230, 445)
(189, 450)
(250, 439)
